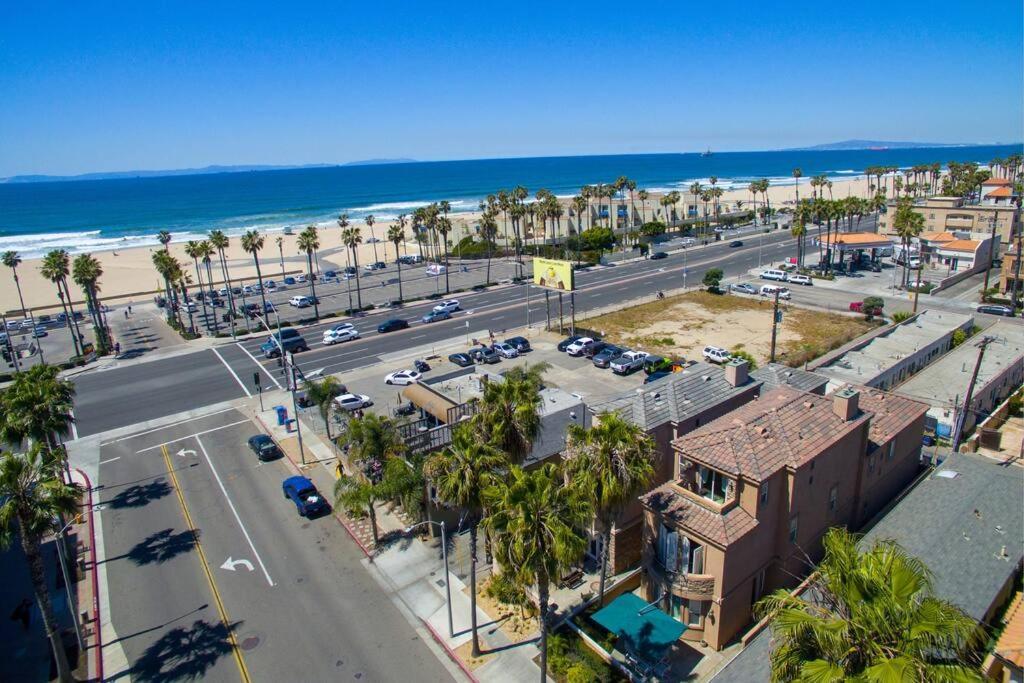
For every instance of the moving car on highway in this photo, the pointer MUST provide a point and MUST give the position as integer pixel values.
(288, 338)
(743, 288)
(995, 309)
(449, 306)
(798, 279)
(340, 333)
(434, 316)
(303, 493)
(392, 325)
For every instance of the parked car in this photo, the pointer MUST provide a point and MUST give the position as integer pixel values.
(402, 377)
(330, 275)
(288, 281)
(798, 279)
(288, 338)
(434, 316)
(449, 306)
(594, 349)
(658, 255)
(463, 360)
(39, 331)
(995, 309)
(421, 365)
(484, 354)
(521, 344)
(564, 344)
(352, 401)
(301, 279)
(435, 269)
(300, 301)
(743, 288)
(252, 310)
(714, 354)
(248, 289)
(270, 285)
(735, 243)
(653, 364)
(629, 362)
(392, 325)
(303, 493)
(769, 290)
(350, 270)
(774, 274)
(604, 357)
(373, 267)
(505, 350)
(335, 336)
(578, 346)
(302, 397)
(264, 447)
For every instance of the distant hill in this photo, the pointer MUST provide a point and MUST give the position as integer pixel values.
(206, 170)
(873, 144)
(379, 162)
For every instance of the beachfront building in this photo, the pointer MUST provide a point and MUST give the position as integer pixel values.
(998, 192)
(944, 383)
(667, 409)
(965, 522)
(754, 491)
(954, 214)
(888, 358)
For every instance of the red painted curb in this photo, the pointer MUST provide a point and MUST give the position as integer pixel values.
(98, 630)
(451, 653)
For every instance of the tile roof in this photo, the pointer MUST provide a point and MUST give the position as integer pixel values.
(676, 397)
(937, 236)
(1003, 191)
(1010, 646)
(774, 375)
(722, 529)
(997, 181)
(891, 413)
(960, 245)
(783, 428)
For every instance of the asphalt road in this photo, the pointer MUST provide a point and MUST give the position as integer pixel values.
(291, 590)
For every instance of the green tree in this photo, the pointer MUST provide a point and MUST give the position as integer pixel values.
(36, 408)
(308, 243)
(352, 238)
(396, 235)
(56, 268)
(907, 223)
(220, 242)
(12, 260)
(488, 233)
(877, 620)
(195, 251)
(534, 520)
(712, 279)
(321, 393)
(461, 473)
(279, 241)
(252, 242)
(164, 238)
(205, 251)
(169, 269)
(610, 465)
(509, 414)
(799, 231)
(34, 500)
(739, 353)
(86, 271)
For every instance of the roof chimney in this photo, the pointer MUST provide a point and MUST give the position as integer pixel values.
(846, 403)
(736, 372)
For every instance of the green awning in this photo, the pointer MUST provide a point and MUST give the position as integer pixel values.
(643, 630)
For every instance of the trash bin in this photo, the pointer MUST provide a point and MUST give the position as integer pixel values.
(282, 415)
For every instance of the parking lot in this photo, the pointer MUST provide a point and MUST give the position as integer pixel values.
(211, 573)
(49, 340)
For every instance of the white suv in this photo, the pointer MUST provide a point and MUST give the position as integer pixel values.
(800, 280)
(300, 301)
(715, 354)
(772, 274)
(448, 306)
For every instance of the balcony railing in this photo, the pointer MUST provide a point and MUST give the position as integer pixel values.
(683, 584)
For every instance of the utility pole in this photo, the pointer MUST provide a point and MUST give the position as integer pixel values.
(917, 287)
(572, 310)
(962, 417)
(547, 310)
(561, 316)
(776, 317)
(991, 253)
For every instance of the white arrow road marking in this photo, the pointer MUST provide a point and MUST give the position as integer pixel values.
(230, 564)
(185, 451)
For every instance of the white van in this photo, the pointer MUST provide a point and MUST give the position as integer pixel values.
(798, 279)
(769, 290)
(773, 274)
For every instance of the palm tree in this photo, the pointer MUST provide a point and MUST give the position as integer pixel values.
(36, 409)
(205, 251)
(164, 238)
(86, 271)
(799, 231)
(279, 241)
(907, 224)
(610, 465)
(797, 174)
(55, 268)
(170, 270)
(461, 473)
(753, 188)
(195, 251)
(509, 414)
(642, 195)
(308, 243)
(219, 241)
(12, 260)
(489, 232)
(352, 238)
(443, 227)
(252, 242)
(534, 520)
(322, 394)
(34, 498)
(396, 235)
(630, 186)
(876, 619)
(763, 185)
(370, 220)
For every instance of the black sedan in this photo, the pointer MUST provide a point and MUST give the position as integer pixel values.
(735, 243)
(658, 255)
(392, 325)
(521, 344)
(461, 359)
(264, 447)
(564, 344)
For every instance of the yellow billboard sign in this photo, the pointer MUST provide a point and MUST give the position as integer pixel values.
(553, 274)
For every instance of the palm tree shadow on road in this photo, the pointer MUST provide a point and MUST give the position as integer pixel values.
(140, 495)
(160, 547)
(184, 653)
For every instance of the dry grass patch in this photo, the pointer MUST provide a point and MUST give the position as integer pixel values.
(517, 623)
(819, 334)
(465, 653)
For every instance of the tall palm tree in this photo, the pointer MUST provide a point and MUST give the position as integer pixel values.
(610, 465)
(322, 394)
(170, 270)
(194, 250)
(164, 238)
(461, 473)
(876, 620)
(252, 242)
(534, 520)
(443, 227)
(205, 251)
(799, 231)
(370, 220)
(579, 207)
(352, 238)
(753, 188)
(308, 243)
(907, 224)
(219, 241)
(34, 498)
(55, 268)
(279, 241)
(12, 260)
(630, 186)
(797, 174)
(509, 414)
(488, 232)
(86, 271)
(396, 235)
(642, 195)
(764, 184)
(36, 409)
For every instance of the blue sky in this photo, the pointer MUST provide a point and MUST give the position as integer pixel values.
(115, 86)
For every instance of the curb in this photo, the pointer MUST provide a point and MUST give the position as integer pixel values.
(450, 652)
(98, 630)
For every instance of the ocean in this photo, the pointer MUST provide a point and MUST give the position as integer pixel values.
(94, 215)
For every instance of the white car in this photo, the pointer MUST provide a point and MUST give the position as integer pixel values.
(403, 377)
(334, 336)
(435, 269)
(628, 362)
(576, 348)
(447, 306)
(340, 326)
(505, 350)
(300, 279)
(300, 301)
(352, 401)
(223, 291)
(248, 289)
(27, 325)
(715, 354)
(769, 291)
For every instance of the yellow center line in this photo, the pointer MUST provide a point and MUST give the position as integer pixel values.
(242, 669)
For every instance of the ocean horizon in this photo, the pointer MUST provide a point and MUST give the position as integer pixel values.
(119, 213)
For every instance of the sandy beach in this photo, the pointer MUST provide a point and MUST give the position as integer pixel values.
(129, 274)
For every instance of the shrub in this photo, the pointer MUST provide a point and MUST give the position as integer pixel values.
(744, 355)
(652, 229)
(959, 337)
(900, 316)
(712, 279)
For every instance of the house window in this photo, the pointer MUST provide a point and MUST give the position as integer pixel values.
(713, 484)
(793, 528)
(764, 493)
(691, 556)
(833, 498)
(676, 605)
(694, 612)
(668, 548)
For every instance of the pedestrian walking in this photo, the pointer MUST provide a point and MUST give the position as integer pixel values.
(129, 308)
(117, 348)
(126, 315)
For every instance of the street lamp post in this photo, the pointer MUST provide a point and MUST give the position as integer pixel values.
(447, 580)
(61, 552)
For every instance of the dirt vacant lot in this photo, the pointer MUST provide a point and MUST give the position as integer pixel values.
(683, 325)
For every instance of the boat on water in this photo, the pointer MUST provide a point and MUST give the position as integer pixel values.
(707, 152)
